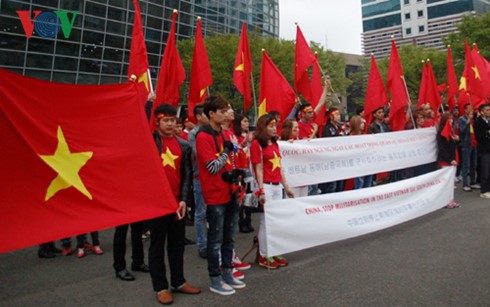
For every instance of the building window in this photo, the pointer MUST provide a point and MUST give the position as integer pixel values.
(407, 16)
(408, 31)
(420, 13)
(421, 28)
(406, 2)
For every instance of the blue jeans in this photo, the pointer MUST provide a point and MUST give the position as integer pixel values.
(468, 165)
(223, 227)
(199, 216)
(363, 182)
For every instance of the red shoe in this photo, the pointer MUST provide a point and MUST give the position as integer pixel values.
(268, 263)
(237, 274)
(97, 250)
(280, 260)
(81, 253)
(239, 265)
(66, 251)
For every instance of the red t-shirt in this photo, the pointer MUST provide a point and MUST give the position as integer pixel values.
(306, 129)
(214, 190)
(171, 159)
(271, 158)
(242, 157)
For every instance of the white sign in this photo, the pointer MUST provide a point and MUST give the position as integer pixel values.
(296, 224)
(329, 159)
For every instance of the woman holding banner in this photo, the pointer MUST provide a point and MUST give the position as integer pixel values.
(266, 160)
(446, 146)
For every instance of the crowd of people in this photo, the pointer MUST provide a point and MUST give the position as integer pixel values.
(210, 166)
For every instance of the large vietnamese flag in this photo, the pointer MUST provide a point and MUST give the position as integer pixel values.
(74, 159)
(201, 77)
(243, 69)
(423, 86)
(275, 92)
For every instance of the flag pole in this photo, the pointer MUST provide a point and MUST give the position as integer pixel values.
(331, 87)
(409, 103)
(149, 79)
(254, 96)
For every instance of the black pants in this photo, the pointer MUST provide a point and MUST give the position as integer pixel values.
(120, 245)
(166, 227)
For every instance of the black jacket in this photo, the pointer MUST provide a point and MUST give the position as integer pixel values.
(374, 128)
(185, 166)
(482, 135)
(446, 150)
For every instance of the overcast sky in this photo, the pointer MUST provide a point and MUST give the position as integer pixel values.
(336, 24)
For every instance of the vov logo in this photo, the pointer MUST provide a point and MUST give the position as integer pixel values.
(47, 24)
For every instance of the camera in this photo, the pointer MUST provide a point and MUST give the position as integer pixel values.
(233, 177)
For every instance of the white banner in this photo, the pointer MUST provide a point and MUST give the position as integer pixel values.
(330, 159)
(296, 224)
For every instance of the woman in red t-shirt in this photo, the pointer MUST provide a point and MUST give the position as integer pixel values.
(240, 127)
(266, 160)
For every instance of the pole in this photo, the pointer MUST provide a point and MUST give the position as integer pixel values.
(254, 96)
(149, 80)
(409, 104)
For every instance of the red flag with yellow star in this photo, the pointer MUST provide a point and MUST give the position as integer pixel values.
(452, 81)
(172, 72)
(74, 159)
(398, 89)
(303, 59)
(275, 92)
(201, 77)
(138, 58)
(376, 96)
(243, 68)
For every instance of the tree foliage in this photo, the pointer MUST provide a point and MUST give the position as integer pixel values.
(472, 28)
(222, 50)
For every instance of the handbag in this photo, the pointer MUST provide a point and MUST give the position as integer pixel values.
(250, 199)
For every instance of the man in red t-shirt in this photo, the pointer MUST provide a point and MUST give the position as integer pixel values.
(176, 161)
(213, 151)
(308, 129)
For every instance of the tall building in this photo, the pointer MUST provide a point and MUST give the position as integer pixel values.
(88, 42)
(421, 22)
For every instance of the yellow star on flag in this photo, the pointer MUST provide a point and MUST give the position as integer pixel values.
(144, 78)
(477, 73)
(276, 161)
(169, 158)
(67, 165)
(202, 92)
(241, 67)
(263, 107)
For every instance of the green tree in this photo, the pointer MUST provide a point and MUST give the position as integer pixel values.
(222, 50)
(473, 29)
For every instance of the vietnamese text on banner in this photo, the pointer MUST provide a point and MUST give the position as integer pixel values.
(329, 159)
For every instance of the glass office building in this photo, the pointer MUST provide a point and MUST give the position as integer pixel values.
(88, 41)
(421, 22)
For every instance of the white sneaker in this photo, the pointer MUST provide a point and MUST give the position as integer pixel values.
(485, 195)
(475, 186)
(466, 189)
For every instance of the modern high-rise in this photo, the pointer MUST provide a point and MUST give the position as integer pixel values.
(88, 41)
(420, 22)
